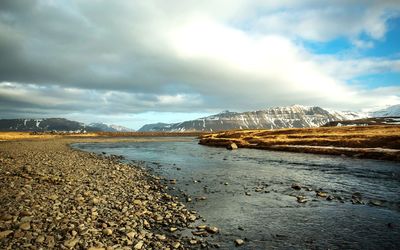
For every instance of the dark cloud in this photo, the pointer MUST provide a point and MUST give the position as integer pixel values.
(137, 56)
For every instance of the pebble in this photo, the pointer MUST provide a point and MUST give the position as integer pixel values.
(296, 186)
(25, 226)
(71, 242)
(212, 230)
(107, 231)
(139, 245)
(239, 242)
(4, 234)
(176, 245)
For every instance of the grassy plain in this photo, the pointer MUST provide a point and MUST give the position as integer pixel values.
(382, 142)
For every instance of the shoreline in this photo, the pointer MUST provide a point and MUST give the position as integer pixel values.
(55, 196)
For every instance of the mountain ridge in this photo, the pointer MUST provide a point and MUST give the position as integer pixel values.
(56, 124)
(294, 116)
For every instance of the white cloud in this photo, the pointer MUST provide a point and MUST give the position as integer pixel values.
(138, 56)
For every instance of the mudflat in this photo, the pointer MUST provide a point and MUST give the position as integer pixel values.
(52, 196)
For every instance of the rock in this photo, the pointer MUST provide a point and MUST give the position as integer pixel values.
(96, 248)
(161, 237)
(25, 226)
(107, 231)
(95, 201)
(40, 239)
(131, 235)
(301, 199)
(375, 203)
(173, 181)
(296, 186)
(330, 197)
(176, 245)
(247, 193)
(212, 230)
(173, 229)
(241, 228)
(193, 242)
(321, 194)
(4, 234)
(232, 146)
(239, 242)
(139, 245)
(201, 227)
(71, 242)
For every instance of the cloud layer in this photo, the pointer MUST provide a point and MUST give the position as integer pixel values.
(188, 56)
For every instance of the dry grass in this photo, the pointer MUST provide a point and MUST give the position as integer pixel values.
(11, 136)
(8, 136)
(284, 139)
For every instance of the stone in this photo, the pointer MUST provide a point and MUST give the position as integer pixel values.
(212, 230)
(176, 245)
(139, 245)
(96, 248)
(321, 194)
(239, 242)
(107, 231)
(4, 234)
(161, 237)
(173, 229)
(232, 146)
(40, 239)
(25, 226)
(131, 235)
(301, 199)
(71, 242)
(296, 186)
(375, 203)
(95, 201)
(193, 242)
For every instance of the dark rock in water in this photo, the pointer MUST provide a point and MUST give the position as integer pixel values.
(296, 186)
(321, 194)
(390, 225)
(301, 199)
(356, 195)
(375, 203)
(330, 197)
(232, 146)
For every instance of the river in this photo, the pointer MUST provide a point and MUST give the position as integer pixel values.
(249, 194)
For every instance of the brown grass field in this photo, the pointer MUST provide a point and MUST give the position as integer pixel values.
(8, 136)
(380, 142)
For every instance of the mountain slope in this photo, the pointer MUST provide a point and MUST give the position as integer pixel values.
(40, 125)
(295, 116)
(56, 124)
(108, 128)
(392, 111)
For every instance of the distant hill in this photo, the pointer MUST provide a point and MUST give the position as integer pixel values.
(366, 122)
(295, 116)
(110, 128)
(56, 124)
(392, 111)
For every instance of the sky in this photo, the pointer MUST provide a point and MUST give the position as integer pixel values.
(136, 62)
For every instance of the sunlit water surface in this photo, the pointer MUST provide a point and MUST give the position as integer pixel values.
(272, 217)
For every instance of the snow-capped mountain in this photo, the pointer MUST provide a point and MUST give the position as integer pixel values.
(47, 124)
(109, 128)
(392, 111)
(295, 116)
(56, 124)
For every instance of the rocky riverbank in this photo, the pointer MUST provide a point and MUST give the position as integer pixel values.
(52, 196)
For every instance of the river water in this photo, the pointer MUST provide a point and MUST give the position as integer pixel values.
(249, 194)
